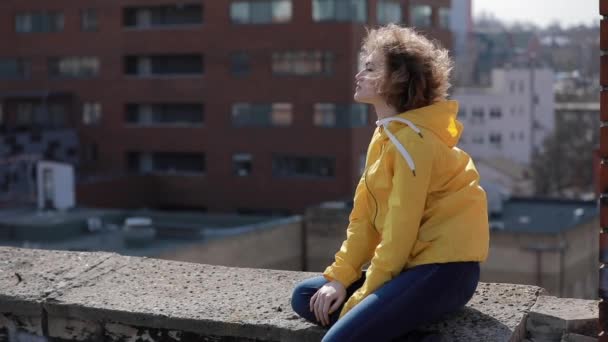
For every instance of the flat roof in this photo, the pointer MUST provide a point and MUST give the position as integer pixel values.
(90, 229)
(544, 216)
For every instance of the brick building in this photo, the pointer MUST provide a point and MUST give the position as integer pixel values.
(242, 105)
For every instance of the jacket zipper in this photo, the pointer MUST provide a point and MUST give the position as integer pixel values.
(371, 193)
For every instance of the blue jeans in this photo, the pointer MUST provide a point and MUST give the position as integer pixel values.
(420, 295)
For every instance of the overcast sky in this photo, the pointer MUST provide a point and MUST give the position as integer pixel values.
(540, 12)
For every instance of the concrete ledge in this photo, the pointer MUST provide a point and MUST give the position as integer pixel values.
(105, 296)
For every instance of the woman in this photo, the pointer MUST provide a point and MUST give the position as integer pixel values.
(419, 216)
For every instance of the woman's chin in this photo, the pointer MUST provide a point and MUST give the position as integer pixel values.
(358, 98)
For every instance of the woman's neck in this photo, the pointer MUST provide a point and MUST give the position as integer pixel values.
(384, 111)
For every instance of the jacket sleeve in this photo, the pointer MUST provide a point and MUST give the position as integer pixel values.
(406, 204)
(358, 248)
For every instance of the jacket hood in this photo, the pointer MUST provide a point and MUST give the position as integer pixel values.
(439, 118)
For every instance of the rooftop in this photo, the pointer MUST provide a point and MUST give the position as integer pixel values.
(86, 229)
(541, 215)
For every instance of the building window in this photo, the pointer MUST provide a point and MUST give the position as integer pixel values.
(262, 115)
(166, 162)
(339, 10)
(240, 64)
(462, 113)
(282, 114)
(166, 15)
(340, 115)
(522, 86)
(477, 139)
(521, 136)
(242, 163)
(496, 139)
(39, 22)
(444, 18)
(89, 20)
(165, 114)
(512, 87)
(313, 167)
(261, 12)
(91, 113)
(41, 115)
(477, 115)
(495, 113)
(389, 11)
(421, 16)
(302, 63)
(164, 65)
(73, 67)
(14, 69)
(512, 136)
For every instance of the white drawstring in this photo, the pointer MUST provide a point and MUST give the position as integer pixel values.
(408, 158)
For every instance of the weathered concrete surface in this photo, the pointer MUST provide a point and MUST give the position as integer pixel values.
(110, 297)
(496, 313)
(552, 317)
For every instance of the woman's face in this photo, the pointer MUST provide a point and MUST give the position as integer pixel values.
(368, 79)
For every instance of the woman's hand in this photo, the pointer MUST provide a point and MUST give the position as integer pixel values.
(321, 302)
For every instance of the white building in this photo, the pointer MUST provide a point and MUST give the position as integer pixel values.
(498, 120)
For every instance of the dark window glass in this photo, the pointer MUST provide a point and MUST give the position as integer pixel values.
(339, 10)
(495, 113)
(14, 68)
(166, 162)
(73, 67)
(262, 115)
(261, 11)
(421, 16)
(143, 17)
(39, 22)
(164, 65)
(389, 11)
(340, 115)
(242, 164)
(164, 114)
(89, 20)
(240, 64)
(302, 63)
(293, 166)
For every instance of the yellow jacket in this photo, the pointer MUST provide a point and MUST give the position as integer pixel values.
(418, 202)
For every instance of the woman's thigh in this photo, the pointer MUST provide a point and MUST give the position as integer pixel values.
(418, 296)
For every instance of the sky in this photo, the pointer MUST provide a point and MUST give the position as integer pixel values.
(540, 12)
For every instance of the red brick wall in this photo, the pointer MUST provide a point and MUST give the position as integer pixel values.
(216, 38)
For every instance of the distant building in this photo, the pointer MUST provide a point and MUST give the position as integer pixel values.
(545, 242)
(230, 240)
(461, 25)
(235, 106)
(578, 126)
(510, 118)
(514, 177)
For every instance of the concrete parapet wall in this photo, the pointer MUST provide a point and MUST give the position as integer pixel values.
(76, 296)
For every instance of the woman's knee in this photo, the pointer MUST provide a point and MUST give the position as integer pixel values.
(302, 293)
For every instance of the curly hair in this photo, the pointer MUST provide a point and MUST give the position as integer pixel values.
(417, 70)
